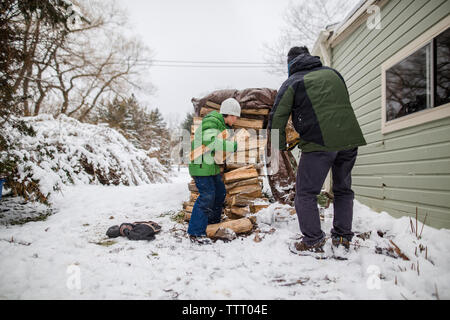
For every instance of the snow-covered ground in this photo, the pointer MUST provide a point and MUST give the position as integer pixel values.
(62, 257)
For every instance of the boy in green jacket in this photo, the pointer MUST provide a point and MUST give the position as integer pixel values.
(206, 173)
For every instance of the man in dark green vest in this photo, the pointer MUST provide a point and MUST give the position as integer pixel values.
(318, 100)
(206, 172)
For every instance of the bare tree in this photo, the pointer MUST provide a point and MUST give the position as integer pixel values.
(98, 62)
(304, 20)
(72, 70)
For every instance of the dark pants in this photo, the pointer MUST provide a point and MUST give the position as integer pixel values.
(312, 172)
(209, 205)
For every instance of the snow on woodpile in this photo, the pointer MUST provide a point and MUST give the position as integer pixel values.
(66, 151)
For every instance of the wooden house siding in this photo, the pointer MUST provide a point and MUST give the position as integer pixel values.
(406, 169)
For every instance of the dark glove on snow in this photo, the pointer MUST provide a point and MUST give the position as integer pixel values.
(113, 232)
(141, 232)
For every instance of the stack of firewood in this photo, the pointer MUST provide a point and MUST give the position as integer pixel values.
(242, 171)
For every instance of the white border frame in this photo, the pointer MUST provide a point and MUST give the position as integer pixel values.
(420, 117)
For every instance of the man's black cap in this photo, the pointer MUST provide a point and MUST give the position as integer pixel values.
(295, 52)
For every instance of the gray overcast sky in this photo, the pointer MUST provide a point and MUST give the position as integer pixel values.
(204, 30)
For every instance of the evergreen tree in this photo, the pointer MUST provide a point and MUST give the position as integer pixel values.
(158, 138)
(144, 130)
(12, 55)
(188, 121)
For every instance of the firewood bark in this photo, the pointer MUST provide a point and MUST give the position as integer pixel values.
(242, 166)
(240, 200)
(240, 174)
(242, 212)
(204, 111)
(242, 183)
(194, 196)
(192, 187)
(250, 189)
(248, 124)
(239, 226)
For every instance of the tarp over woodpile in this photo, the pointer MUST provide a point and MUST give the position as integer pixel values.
(257, 98)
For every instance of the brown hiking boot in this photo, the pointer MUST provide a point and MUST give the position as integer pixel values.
(301, 248)
(337, 241)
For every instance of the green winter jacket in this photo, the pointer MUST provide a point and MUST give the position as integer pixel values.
(212, 125)
(318, 100)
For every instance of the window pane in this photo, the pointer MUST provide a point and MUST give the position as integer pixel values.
(443, 68)
(408, 85)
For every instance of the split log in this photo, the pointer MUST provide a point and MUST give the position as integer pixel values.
(256, 112)
(241, 200)
(194, 196)
(240, 211)
(254, 194)
(241, 183)
(240, 174)
(250, 189)
(235, 214)
(188, 204)
(249, 124)
(205, 111)
(225, 234)
(213, 105)
(240, 226)
(236, 166)
(192, 187)
(292, 136)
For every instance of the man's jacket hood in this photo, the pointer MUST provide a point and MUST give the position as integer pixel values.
(304, 62)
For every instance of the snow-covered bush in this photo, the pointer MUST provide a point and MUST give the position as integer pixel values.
(65, 151)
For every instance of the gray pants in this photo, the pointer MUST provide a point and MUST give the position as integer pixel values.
(311, 174)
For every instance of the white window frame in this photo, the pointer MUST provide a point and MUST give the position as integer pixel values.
(423, 116)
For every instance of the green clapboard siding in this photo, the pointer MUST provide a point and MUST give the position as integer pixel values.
(409, 169)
